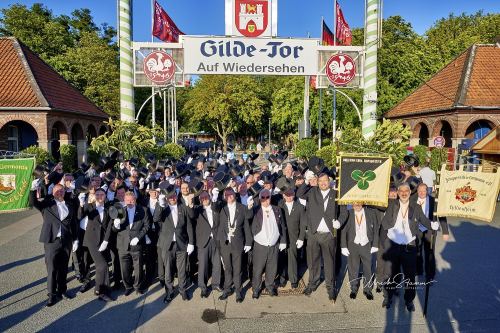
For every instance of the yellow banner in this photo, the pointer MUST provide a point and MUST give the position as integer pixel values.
(468, 194)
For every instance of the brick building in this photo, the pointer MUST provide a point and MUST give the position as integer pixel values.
(461, 101)
(38, 106)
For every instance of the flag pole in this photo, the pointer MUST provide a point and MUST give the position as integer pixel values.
(153, 106)
(335, 23)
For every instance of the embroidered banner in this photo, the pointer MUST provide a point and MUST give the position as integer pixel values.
(15, 183)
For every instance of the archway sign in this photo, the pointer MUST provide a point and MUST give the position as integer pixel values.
(167, 64)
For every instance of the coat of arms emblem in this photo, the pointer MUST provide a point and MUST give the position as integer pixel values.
(7, 184)
(251, 17)
(465, 194)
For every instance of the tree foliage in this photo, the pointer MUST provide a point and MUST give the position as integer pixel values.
(84, 54)
(306, 148)
(41, 155)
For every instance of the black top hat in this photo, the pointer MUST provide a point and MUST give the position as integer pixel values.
(284, 153)
(235, 171)
(196, 175)
(272, 158)
(143, 172)
(106, 163)
(221, 180)
(266, 176)
(217, 156)
(212, 165)
(168, 191)
(39, 171)
(284, 184)
(411, 160)
(289, 191)
(316, 165)
(163, 185)
(49, 166)
(255, 189)
(413, 182)
(152, 186)
(55, 177)
(117, 211)
(196, 186)
(302, 166)
(114, 155)
(397, 177)
(253, 156)
(109, 177)
(85, 167)
(150, 157)
(134, 162)
(222, 168)
(161, 165)
(82, 184)
(181, 170)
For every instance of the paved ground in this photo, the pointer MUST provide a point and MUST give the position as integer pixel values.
(465, 298)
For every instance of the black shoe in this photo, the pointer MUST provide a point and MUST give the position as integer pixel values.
(353, 294)
(140, 291)
(331, 294)
(295, 285)
(272, 292)
(162, 283)
(51, 301)
(308, 291)
(65, 295)
(378, 289)
(239, 297)
(282, 284)
(386, 303)
(117, 286)
(410, 306)
(255, 295)
(128, 291)
(85, 287)
(219, 289)
(168, 297)
(204, 293)
(368, 294)
(184, 296)
(79, 278)
(225, 295)
(105, 298)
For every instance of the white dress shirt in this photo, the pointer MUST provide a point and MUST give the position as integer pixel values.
(100, 210)
(210, 217)
(232, 212)
(63, 211)
(361, 232)
(269, 234)
(422, 203)
(131, 213)
(175, 217)
(322, 227)
(289, 206)
(110, 195)
(401, 233)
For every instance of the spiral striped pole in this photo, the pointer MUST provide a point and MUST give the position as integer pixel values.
(370, 69)
(127, 108)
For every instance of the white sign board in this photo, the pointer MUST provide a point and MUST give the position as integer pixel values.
(251, 18)
(251, 56)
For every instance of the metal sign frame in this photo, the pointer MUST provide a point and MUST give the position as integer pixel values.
(326, 52)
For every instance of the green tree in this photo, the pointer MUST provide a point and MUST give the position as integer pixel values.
(222, 104)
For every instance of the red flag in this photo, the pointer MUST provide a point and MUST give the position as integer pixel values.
(343, 32)
(313, 81)
(326, 35)
(163, 26)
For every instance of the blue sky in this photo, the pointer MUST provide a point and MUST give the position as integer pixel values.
(196, 17)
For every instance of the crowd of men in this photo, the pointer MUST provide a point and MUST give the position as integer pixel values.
(226, 221)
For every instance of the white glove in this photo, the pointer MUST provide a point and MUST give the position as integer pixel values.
(206, 174)
(276, 168)
(171, 181)
(103, 174)
(282, 246)
(190, 249)
(141, 183)
(162, 200)
(261, 182)
(189, 160)
(246, 173)
(122, 165)
(276, 191)
(345, 251)
(435, 226)
(81, 197)
(374, 249)
(75, 246)
(148, 241)
(250, 202)
(116, 223)
(336, 224)
(103, 246)
(215, 194)
(247, 248)
(221, 161)
(35, 184)
(299, 243)
(134, 241)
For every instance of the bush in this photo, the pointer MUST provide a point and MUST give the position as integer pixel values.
(41, 155)
(306, 148)
(420, 151)
(92, 157)
(328, 154)
(438, 157)
(68, 157)
(171, 150)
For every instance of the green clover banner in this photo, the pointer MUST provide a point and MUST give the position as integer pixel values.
(15, 183)
(364, 179)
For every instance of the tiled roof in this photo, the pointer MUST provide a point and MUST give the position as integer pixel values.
(26, 81)
(470, 80)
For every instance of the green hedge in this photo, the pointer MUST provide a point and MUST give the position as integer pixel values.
(68, 157)
(306, 148)
(41, 155)
(328, 154)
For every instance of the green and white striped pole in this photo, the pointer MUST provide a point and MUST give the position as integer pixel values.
(370, 69)
(127, 109)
